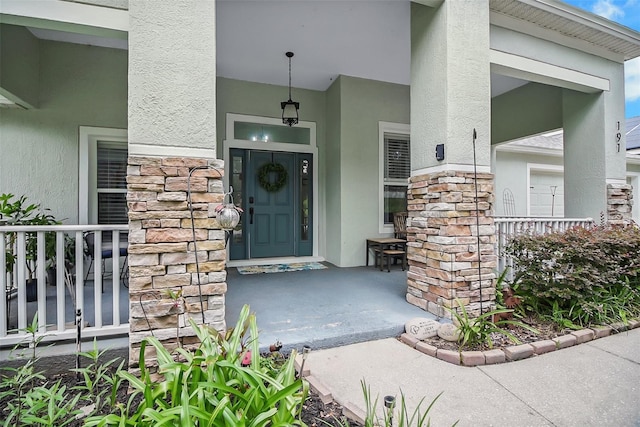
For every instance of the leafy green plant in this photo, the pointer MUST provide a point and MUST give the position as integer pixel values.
(29, 399)
(476, 331)
(100, 381)
(14, 388)
(579, 277)
(18, 212)
(210, 386)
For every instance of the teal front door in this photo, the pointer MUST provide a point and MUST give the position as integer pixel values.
(277, 202)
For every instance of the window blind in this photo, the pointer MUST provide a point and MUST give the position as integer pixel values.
(397, 162)
(111, 182)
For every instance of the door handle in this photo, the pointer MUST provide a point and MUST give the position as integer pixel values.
(250, 215)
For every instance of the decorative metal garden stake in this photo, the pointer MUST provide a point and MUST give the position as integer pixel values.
(78, 342)
(475, 177)
(230, 221)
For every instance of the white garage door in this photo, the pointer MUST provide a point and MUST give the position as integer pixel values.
(546, 194)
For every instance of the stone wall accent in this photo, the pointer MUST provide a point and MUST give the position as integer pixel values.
(619, 203)
(442, 244)
(163, 283)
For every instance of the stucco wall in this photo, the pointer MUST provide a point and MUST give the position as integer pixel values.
(450, 83)
(527, 110)
(79, 86)
(511, 173)
(256, 99)
(363, 104)
(19, 64)
(172, 55)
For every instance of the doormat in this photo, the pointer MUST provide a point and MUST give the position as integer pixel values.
(280, 268)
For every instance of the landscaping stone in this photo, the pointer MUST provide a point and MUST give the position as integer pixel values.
(472, 358)
(634, 323)
(583, 335)
(323, 392)
(602, 331)
(409, 339)
(449, 332)
(449, 356)
(492, 357)
(619, 326)
(565, 341)
(427, 348)
(518, 352)
(421, 327)
(545, 346)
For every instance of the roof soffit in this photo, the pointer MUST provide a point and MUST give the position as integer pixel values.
(561, 23)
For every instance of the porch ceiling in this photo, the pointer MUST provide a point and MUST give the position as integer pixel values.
(368, 39)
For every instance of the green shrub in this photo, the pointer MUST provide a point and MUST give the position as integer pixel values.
(581, 276)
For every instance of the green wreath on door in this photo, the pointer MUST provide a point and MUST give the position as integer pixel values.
(264, 177)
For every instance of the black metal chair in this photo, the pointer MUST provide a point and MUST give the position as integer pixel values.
(106, 253)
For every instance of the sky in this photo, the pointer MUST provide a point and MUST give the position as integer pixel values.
(627, 13)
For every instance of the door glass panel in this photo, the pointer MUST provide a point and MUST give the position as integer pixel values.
(271, 133)
(305, 192)
(236, 183)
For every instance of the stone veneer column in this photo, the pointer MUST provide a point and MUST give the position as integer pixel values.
(619, 203)
(442, 247)
(163, 283)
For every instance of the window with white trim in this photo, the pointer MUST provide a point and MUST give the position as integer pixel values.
(103, 176)
(395, 162)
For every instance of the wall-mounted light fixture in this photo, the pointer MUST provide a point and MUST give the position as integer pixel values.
(289, 108)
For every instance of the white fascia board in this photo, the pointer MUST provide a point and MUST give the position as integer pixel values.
(66, 12)
(536, 71)
(505, 148)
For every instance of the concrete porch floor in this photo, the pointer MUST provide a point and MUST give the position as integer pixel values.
(322, 308)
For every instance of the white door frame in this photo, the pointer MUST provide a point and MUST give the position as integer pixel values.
(231, 142)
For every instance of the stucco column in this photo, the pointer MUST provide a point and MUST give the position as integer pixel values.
(172, 72)
(450, 97)
(594, 156)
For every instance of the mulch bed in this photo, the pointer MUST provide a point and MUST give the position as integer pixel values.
(547, 330)
(314, 412)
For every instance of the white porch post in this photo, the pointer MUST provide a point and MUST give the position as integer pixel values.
(450, 97)
(172, 106)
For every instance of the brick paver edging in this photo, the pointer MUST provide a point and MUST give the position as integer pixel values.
(516, 352)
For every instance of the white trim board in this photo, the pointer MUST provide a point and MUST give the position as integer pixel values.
(230, 142)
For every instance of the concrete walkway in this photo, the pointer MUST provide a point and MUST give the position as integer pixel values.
(592, 384)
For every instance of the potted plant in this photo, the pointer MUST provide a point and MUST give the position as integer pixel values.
(19, 212)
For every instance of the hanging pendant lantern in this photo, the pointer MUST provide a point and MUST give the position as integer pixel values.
(289, 107)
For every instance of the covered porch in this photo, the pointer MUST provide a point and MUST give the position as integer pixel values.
(320, 308)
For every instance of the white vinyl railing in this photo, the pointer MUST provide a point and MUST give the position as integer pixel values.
(100, 298)
(508, 227)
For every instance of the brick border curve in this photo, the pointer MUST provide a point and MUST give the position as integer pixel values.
(516, 352)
